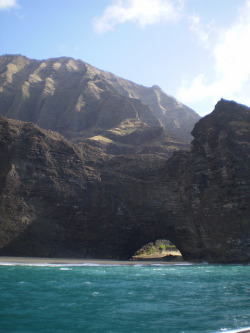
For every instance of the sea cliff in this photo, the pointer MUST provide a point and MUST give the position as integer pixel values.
(60, 199)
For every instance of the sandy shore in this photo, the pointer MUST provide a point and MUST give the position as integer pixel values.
(34, 260)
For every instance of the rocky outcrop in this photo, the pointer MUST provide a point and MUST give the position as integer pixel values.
(81, 102)
(213, 183)
(62, 199)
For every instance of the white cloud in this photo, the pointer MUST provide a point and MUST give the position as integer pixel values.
(7, 4)
(200, 32)
(231, 54)
(142, 12)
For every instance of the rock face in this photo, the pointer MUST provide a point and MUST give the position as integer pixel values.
(81, 102)
(214, 186)
(62, 199)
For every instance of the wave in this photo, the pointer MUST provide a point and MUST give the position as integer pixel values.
(238, 330)
(91, 264)
(51, 264)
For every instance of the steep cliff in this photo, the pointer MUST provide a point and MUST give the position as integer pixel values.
(57, 199)
(61, 199)
(213, 182)
(81, 102)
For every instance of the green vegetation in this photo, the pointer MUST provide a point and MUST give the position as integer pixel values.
(162, 247)
(123, 131)
(171, 248)
(106, 140)
(126, 127)
(102, 138)
(159, 249)
(152, 250)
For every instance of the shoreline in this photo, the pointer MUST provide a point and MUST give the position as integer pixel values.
(71, 261)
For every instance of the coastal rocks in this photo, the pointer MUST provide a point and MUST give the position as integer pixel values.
(59, 199)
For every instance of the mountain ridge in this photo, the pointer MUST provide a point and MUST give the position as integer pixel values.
(80, 101)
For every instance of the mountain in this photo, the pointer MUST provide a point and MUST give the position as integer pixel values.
(86, 104)
(174, 116)
(61, 199)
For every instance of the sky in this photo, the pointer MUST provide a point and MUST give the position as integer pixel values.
(197, 51)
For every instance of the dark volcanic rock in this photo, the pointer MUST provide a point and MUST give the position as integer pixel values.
(60, 199)
(41, 173)
(213, 183)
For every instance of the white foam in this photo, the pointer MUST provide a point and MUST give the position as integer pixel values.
(93, 264)
(238, 330)
(56, 264)
(29, 264)
(175, 264)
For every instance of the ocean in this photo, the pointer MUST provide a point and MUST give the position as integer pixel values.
(184, 298)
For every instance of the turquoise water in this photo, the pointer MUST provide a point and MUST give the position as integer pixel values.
(84, 298)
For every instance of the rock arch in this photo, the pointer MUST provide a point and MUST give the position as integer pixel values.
(65, 200)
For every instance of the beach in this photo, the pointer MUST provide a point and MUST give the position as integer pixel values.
(79, 261)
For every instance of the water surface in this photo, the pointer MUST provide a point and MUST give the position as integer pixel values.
(110, 298)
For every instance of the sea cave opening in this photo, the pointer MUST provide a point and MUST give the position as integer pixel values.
(160, 249)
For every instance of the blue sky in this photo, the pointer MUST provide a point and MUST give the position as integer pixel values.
(196, 50)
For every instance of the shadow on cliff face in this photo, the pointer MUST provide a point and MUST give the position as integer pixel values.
(52, 238)
(39, 239)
